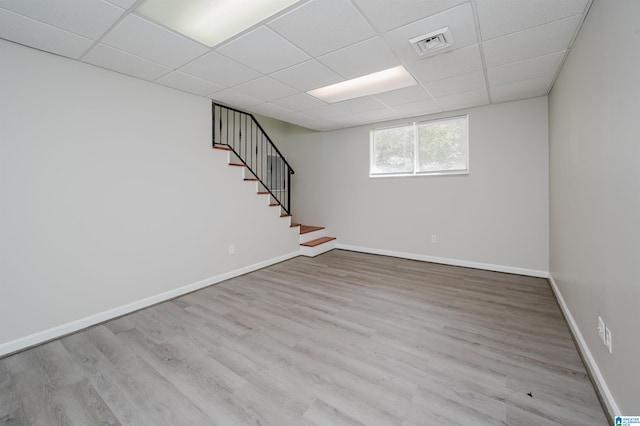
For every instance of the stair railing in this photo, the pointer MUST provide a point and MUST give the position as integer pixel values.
(242, 133)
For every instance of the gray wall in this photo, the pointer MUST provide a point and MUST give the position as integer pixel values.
(594, 109)
(497, 216)
(111, 194)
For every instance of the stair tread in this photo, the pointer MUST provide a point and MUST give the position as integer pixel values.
(222, 147)
(305, 229)
(250, 179)
(293, 225)
(318, 241)
(263, 193)
(274, 204)
(285, 215)
(237, 164)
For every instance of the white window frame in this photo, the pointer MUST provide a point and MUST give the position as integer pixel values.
(415, 172)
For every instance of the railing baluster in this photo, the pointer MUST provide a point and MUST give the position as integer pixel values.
(257, 152)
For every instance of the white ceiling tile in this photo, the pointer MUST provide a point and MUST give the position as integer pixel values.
(464, 100)
(456, 62)
(299, 102)
(269, 110)
(349, 107)
(403, 96)
(361, 59)
(88, 18)
(500, 17)
(526, 70)
(322, 26)
(514, 96)
(220, 70)
(41, 36)
(188, 83)
(374, 115)
(322, 126)
(235, 99)
(387, 15)
(143, 38)
(307, 76)
(531, 43)
(460, 21)
(343, 121)
(534, 85)
(125, 4)
(265, 88)
(264, 51)
(126, 63)
(418, 108)
(297, 119)
(458, 84)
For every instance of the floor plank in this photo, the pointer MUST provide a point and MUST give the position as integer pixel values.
(342, 338)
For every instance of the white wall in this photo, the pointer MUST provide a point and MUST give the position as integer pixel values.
(595, 191)
(110, 194)
(497, 216)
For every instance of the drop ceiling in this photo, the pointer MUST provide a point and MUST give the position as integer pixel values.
(503, 50)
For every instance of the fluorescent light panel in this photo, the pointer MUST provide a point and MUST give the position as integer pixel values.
(211, 21)
(371, 84)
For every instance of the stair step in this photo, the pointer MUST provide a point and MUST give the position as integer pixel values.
(222, 147)
(263, 193)
(293, 225)
(275, 205)
(305, 229)
(237, 164)
(317, 242)
(285, 215)
(250, 179)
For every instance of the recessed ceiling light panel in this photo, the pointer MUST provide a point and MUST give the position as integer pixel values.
(371, 84)
(211, 21)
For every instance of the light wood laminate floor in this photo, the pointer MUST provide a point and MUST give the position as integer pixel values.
(343, 338)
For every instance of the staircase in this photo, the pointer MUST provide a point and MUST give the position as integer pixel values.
(248, 146)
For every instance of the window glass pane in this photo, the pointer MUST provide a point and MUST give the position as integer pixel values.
(393, 150)
(442, 145)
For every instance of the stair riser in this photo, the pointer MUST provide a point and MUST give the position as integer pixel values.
(312, 235)
(314, 251)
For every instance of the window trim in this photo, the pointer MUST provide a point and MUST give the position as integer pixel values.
(415, 124)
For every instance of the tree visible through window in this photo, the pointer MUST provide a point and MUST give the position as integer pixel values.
(428, 147)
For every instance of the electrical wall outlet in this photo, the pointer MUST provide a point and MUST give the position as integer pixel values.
(607, 339)
(601, 328)
(232, 249)
(434, 239)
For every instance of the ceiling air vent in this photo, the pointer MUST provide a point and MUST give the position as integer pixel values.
(434, 41)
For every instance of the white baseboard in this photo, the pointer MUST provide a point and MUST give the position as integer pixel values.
(71, 327)
(605, 393)
(448, 261)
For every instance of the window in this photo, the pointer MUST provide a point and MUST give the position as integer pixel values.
(421, 148)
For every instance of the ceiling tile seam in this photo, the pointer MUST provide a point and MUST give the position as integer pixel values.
(46, 24)
(540, 77)
(97, 41)
(365, 17)
(535, 26)
(135, 56)
(407, 23)
(573, 39)
(132, 13)
(268, 23)
(319, 58)
(272, 72)
(476, 19)
(527, 59)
